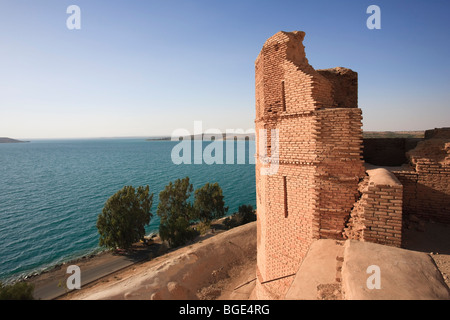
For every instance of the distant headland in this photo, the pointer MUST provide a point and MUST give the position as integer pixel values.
(251, 136)
(9, 140)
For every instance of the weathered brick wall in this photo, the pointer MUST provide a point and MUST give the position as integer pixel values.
(283, 240)
(438, 133)
(319, 164)
(388, 151)
(431, 161)
(340, 167)
(381, 213)
(425, 173)
(408, 178)
(345, 86)
(313, 191)
(377, 216)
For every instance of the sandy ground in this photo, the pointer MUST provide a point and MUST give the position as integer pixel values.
(432, 238)
(218, 266)
(231, 279)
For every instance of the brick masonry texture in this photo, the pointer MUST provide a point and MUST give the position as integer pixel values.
(388, 151)
(427, 181)
(319, 165)
(377, 215)
(321, 188)
(423, 168)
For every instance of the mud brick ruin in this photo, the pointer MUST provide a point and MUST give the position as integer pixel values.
(323, 188)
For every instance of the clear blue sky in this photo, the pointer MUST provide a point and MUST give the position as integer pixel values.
(144, 68)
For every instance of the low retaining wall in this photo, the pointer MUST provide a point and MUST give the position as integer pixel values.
(377, 215)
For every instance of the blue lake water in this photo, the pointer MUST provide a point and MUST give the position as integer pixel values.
(51, 192)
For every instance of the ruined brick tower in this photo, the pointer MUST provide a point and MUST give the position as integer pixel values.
(317, 159)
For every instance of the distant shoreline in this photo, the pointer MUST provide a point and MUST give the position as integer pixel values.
(393, 134)
(9, 140)
(238, 136)
(251, 136)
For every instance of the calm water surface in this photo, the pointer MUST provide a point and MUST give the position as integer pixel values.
(51, 193)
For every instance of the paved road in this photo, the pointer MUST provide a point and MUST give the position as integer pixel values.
(54, 289)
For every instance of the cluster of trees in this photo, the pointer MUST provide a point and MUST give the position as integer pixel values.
(245, 214)
(125, 215)
(176, 212)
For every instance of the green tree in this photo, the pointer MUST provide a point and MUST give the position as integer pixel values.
(209, 203)
(175, 212)
(246, 213)
(124, 217)
(17, 291)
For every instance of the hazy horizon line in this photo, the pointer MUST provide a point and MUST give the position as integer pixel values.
(160, 136)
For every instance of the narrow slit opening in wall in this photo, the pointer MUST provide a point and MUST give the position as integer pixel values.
(285, 197)
(283, 96)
